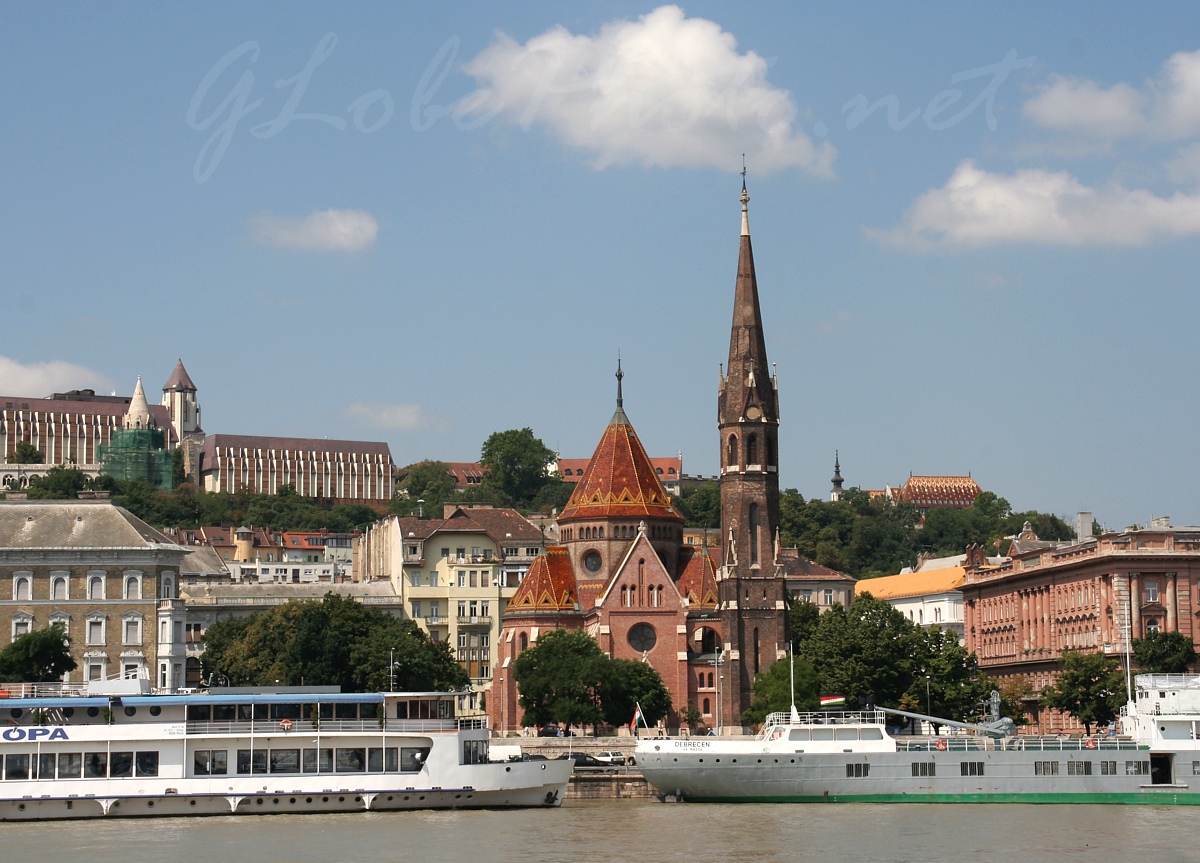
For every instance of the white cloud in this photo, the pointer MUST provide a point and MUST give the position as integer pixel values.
(385, 415)
(1165, 108)
(978, 208)
(320, 230)
(663, 91)
(1184, 169)
(38, 380)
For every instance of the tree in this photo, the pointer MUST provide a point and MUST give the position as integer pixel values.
(625, 684)
(1090, 687)
(1164, 652)
(559, 678)
(773, 690)
(700, 505)
(26, 453)
(58, 483)
(803, 619)
(178, 468)
(37, 657)
(514, 463)
(332, 642)
(554, 495)
(946, 682)
(428, 481)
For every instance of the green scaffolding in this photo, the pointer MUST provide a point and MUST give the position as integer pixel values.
(137, 454)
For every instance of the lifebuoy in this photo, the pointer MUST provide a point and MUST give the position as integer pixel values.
(1090, 743)
(285, 724)
(940, 745)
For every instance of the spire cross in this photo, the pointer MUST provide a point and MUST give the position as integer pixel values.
(620, 374)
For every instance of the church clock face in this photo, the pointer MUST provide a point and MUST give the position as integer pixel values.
(642, 637)
(592, 561)
(753, 413)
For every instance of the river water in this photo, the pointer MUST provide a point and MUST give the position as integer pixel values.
(627, 831)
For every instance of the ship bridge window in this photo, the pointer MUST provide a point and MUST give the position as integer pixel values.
(801, 735)
(845, 734)
(822, 734)
(870, 734)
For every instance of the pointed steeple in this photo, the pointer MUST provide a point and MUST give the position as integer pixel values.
(835, 493)
(179, 380)
(618, 417)
(138, 416)
(748, 381)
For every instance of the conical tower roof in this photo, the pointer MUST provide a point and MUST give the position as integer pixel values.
(548, 586)
(619, 481)
(138, 416)
(179, 380)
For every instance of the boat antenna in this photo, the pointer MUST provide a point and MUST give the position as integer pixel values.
(792, 672)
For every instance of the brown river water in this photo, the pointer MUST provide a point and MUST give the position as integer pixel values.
(636, 832)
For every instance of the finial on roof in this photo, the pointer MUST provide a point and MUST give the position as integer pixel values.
(620, 374)
(618, 417)
(745, 201)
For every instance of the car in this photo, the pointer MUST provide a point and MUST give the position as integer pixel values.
(582, 759)
(550, 731)
(611, 756)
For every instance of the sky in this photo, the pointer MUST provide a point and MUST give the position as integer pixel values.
(976, 227)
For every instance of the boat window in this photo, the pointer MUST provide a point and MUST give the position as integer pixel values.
(391, 760)
(281, 711)
(345, 711)
(16, 766)
(251, 761)
(799, 734)
(70, 765)
(822, 734)
(971, 768)
(370, 711)
(224, 713)
(120, 764)
(375, 760)
(95, 765)
(210, 762)
(924, 768)
(146, 763)
(846, 734)
(285, 760)
(870, 734)
(350, 760)
(45, 766)
(199, 712)
(412, 757)
(318, 760)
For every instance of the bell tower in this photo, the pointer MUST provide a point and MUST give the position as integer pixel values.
(751, 590)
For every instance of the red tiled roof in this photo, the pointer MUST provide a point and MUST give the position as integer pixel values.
(548, 586)
(698, 577)
(296, 444)
(571, 469)
(465, 473)
(619, 481)
(939, 491)
(796, 566)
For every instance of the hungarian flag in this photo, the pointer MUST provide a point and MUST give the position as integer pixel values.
(637, 717)
(833, 700)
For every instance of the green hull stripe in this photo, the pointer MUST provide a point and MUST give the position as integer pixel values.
(1144, 798)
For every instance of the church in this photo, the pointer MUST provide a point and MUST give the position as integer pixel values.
(707, 623)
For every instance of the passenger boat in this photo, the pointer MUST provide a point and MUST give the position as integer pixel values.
(854, 757)
(236, 751)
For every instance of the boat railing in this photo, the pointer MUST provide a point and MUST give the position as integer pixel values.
(57, 689)
(825, 717)
(1022, 743)
(324, 726)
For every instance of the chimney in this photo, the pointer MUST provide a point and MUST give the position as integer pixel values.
(1083, 526)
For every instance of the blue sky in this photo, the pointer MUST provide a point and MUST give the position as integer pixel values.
(423, 224)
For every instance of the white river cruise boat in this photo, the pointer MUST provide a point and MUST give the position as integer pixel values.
(244, 752)
(854, 757)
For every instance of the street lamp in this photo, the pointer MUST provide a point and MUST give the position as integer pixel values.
(716, 664)
(928, 709)
(420, 508)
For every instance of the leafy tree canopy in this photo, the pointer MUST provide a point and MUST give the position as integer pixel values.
(37, 657)
(1164, 653)
(565, 677)
(26, 453)
(773, 690)
(332, 642)
(700, 505)
(514, 463)
(429, 481)
(1091, 687)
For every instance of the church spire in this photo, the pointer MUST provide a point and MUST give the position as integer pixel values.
(618, 417)
(138, 416)
(836, 492)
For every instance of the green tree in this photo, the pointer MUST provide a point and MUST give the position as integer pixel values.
(332, 642)
(26, 453)
(946, 682)
(1090, 687)
(867, 653)
(627, 683)
(700, 505)
(1164, 653)
(773, 690)
(58, 483)
(514, 463)
(553, 495)
(37, 657)
(178, 468)
(429, 481)
(803, 619)
(559, 679)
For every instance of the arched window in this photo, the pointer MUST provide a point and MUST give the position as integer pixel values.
(752, 450)
(95, 587)
(523, 641)
(133, 587)
(22, 587)
(756, 650)
(706, 711)
(753, 535)
(58, 587)
(770, 450)
(168, 588)
(710, 680)
(731, 458)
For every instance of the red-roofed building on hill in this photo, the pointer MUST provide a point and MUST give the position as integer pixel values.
(341, 471)
(624, 572)
(927, 492)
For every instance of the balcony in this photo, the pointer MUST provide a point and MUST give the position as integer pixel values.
(475, 620)
(436, 620)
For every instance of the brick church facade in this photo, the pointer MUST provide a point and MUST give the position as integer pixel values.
(623, 573)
